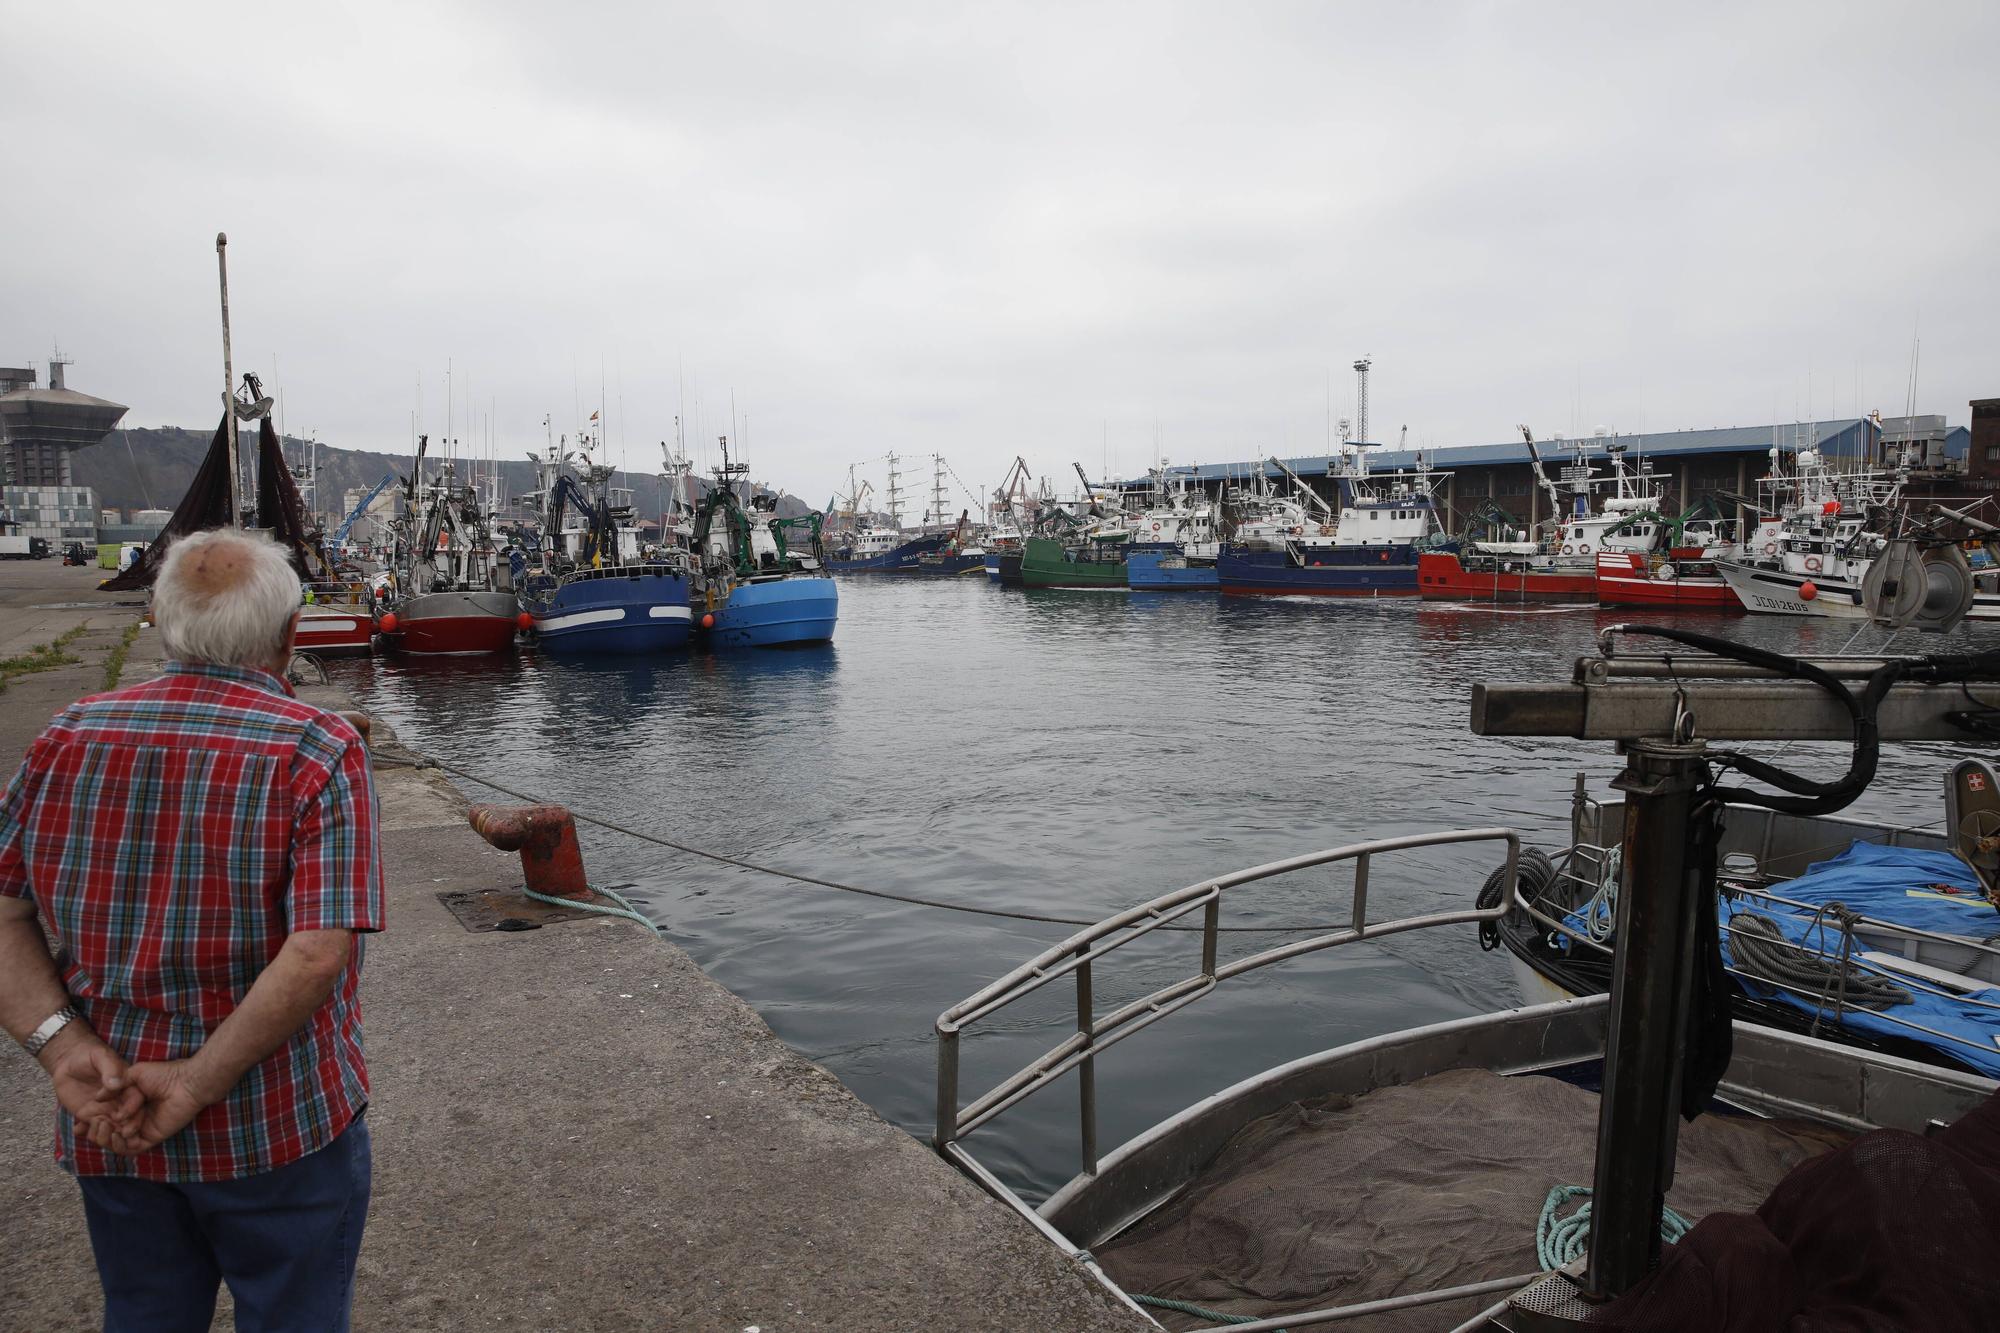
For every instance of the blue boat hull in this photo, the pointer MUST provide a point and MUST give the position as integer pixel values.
(1145, 573)
(1338, 571)
(942, 565)
(901, 560)
(613, 613)
(993, 565)
(775, 614)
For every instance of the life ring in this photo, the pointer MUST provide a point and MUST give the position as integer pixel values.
(1156, 527)
(1770, 548)
(1568, 550)
(1583, 549)
(1325, 531)
(1812, 564)
(1298, 532)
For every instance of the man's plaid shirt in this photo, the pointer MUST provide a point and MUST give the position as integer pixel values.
(172, 834)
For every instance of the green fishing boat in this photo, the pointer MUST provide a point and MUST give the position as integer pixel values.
(1096, 563)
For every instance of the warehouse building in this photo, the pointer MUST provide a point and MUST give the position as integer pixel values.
(1690, 466)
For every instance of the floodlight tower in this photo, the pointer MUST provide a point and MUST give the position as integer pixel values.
(1361, 400)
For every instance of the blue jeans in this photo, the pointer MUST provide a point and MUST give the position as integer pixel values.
(285, 1242)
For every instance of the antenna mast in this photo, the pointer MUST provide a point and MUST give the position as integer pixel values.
(1361, 434)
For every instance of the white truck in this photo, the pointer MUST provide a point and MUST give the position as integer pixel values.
(13, 546)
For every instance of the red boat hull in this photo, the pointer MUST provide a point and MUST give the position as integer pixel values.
(324, 629)
(440, 623)
(454, 634)
(1624, 579)
(1441, 578)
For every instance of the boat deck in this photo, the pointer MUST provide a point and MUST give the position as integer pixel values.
(1304, 1208)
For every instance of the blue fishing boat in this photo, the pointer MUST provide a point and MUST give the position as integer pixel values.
(760, 581)
(595, 589)
(1369, 549)
(1160, 571)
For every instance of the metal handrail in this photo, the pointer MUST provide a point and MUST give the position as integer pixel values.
(1096, 1033)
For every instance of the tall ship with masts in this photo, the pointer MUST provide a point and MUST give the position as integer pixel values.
(874, 548)
(593, 587)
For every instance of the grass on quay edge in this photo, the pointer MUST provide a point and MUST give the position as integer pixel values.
(42, 657)
(114, 665)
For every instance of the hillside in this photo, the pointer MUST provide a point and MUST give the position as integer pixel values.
(151, 467)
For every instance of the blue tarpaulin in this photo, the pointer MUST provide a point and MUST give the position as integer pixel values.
(1880, 882)
(1932, 891)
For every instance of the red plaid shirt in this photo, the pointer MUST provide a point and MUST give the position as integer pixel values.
(172, 834)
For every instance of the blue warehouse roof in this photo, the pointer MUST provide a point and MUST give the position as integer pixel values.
(1849, 437)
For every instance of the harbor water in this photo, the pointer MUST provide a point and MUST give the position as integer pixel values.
(1065, 754)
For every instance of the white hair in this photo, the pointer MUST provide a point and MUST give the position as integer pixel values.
(234, 617)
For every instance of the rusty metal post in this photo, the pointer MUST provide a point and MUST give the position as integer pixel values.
(545, 836)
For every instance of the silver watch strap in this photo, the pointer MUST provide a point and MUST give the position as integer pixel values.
(51, 1025)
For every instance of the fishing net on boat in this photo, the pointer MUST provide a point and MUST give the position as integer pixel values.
(280, 509)
(1412, 1188)
(1895, 1232)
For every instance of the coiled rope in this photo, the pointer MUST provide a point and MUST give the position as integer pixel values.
(409, 758)
(1562, 1240)
(1533, 872)
(1764, 951)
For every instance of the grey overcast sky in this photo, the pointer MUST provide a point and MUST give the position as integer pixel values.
(1067, 231)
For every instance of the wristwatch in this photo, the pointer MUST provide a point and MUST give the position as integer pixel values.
(51, 1025)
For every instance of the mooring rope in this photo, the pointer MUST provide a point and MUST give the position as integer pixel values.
(411, 759)
(624, 908)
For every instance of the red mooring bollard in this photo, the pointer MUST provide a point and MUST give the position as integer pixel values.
(545, 836)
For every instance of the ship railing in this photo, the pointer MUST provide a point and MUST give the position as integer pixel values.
(1821, 998)
(1077, 956)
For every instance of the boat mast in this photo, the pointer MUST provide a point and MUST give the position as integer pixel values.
(229, 386)
(895, 495)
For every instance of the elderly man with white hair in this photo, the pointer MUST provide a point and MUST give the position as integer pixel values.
(201, 850)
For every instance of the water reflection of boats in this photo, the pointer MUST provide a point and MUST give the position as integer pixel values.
(1443, 1142)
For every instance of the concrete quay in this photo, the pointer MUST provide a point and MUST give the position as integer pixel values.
(574, 1127)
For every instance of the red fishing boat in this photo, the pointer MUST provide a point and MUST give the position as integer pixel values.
(1559, 561)
(1682, 578)
(339, 619)
(1480, 576)
(445, 596)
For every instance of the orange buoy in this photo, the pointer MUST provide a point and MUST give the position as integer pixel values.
(524, 622)
(708, 620)
(389, 622)
(1808, 590)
